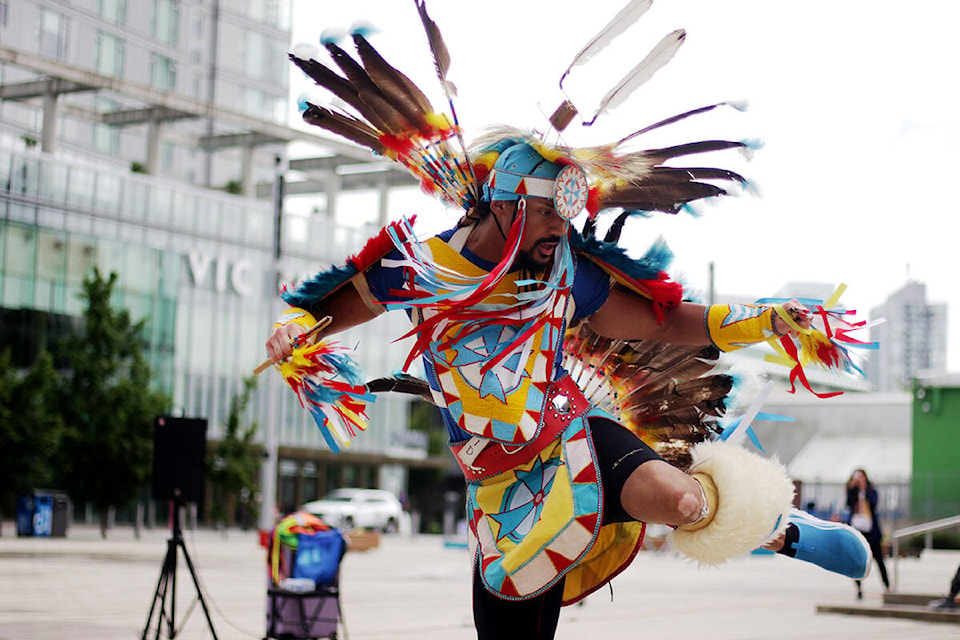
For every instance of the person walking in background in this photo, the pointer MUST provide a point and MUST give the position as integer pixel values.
(862, 507)
(952, 601)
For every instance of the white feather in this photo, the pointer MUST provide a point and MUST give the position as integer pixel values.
(624, 18)
(659, 56)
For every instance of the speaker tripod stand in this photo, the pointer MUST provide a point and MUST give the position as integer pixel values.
(166, 593)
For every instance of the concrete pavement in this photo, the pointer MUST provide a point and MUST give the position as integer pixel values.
(83, 588)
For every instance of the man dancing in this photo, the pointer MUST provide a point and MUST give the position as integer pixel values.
(556, 512)
(558, 488)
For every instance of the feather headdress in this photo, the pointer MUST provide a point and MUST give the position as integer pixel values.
(393, 117)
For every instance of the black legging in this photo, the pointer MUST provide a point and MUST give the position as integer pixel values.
(532, 619)
(619, 452)
(877, 552)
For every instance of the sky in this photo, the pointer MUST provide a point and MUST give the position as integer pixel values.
(855, 102)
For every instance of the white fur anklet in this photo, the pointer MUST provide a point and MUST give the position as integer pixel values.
(754, 497)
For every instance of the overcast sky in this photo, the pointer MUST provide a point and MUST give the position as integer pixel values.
(856, 103)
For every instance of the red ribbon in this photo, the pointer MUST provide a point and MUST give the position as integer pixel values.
(797, 373)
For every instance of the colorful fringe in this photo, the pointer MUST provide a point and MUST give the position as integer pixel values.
(338, 407)
(826, 343)
(456, 298)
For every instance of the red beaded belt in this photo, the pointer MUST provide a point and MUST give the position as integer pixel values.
(565, 402)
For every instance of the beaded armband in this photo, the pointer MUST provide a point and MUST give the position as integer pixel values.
(734, 326)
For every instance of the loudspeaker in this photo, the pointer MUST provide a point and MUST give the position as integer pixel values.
(179, 453)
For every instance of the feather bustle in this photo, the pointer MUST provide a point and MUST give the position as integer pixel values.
(691, 148)
(401, 383)
(666, 198)
(673, 119)
(405, 96)
(668, 394)
(326, 78)
(391, 119)
(343, 125)
(441, 56)
(342, 88)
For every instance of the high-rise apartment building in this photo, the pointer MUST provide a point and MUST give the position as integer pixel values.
(913, 340)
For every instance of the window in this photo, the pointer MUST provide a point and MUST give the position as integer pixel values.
(20, 251)
(110, 56)
(275, 109)
(255, 10)
(106, 138)
(53, 38)
(140, 270)
(277, 13)
(163, 72)
(114, 11)
(167, 156)
(51, 256)
(252, 101)
(277, 63)
(253, 54)
(81, 259)
(166, 21)
(196, 85)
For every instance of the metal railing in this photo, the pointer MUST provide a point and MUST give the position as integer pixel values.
(926, 528)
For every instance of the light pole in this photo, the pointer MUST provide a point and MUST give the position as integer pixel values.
(268, 472)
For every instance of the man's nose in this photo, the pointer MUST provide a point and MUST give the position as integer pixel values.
(558, 222)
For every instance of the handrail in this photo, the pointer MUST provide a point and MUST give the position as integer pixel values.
(926, 527)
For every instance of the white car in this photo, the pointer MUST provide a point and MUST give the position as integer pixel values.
(358, 508)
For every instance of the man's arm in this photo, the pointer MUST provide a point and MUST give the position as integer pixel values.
(344, 306)
(628, 316)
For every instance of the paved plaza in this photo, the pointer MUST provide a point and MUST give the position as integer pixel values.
(83, 588)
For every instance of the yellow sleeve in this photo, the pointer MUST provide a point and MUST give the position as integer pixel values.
(734, 326)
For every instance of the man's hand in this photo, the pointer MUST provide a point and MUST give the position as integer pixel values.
(280, 342)
(797, 312)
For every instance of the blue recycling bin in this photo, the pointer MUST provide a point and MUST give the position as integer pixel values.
(25, 515)
(42, 515)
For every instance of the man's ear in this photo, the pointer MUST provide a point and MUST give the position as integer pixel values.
(501, 207)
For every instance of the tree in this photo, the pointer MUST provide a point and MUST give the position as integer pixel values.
(235, 465)
(107, 405)
(30, 428)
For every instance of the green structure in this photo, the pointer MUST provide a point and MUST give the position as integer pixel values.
(935, 487)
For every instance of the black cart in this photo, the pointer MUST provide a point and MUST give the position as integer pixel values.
(303, 592)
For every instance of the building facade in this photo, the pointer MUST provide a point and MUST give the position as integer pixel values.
(913, 339)
(158, 65)
(123, 126)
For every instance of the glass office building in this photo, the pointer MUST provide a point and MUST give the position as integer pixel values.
(199, 267)
(119, 159)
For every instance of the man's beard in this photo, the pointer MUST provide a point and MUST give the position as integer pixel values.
(527, 262)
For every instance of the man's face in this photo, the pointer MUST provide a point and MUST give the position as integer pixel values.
(544, 229)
